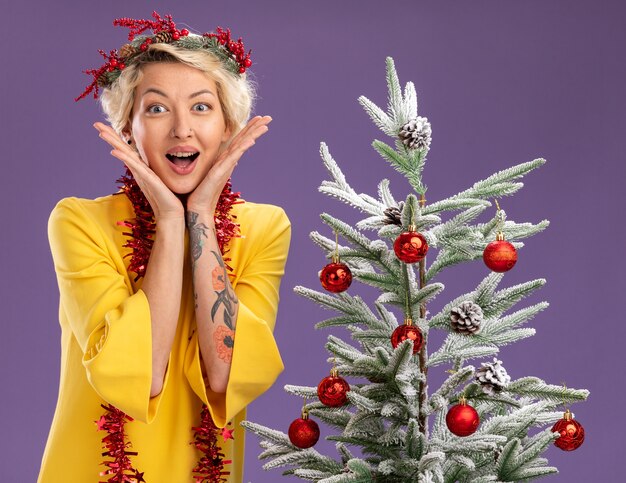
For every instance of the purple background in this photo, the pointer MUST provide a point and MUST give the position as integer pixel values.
(501, 82)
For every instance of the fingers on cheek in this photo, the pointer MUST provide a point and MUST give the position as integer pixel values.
(142, 158)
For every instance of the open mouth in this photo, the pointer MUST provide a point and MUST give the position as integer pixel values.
(184, 160)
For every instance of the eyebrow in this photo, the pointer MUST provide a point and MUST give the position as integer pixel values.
(161, 93)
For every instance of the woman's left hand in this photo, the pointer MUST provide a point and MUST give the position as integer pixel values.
(206, 195)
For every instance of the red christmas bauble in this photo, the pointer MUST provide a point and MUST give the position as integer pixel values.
(407, 331)
(410, 246)
(462, 419)
(572, 433)
(500, 256)
(333, 391)
(303, 432)
(336, 277)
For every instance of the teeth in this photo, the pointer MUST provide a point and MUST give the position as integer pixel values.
(182, 155)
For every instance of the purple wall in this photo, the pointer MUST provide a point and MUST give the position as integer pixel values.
(501, 82)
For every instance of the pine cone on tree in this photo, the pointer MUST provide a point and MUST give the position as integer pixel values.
(416, 134)
(466, 318)
(492, 377)
(394, 215)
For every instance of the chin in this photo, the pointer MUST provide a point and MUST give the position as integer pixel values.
(181, 192)
(183, 189)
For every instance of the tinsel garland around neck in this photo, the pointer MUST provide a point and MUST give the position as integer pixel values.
(210, 467)
(143, 226)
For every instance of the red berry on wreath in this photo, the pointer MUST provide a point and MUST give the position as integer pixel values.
(333, 390)
(571, 431)
(500, 255)
(410, 246)
(336, 276)
(462, 419)
(304, 432)
(408, 331)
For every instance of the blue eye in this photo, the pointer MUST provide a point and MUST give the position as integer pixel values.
(151, 109)
(205, 107)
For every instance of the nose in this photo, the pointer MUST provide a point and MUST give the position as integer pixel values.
(181, 127)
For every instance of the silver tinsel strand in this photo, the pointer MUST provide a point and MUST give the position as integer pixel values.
(466, 318)
(492, 377)
(416, 134)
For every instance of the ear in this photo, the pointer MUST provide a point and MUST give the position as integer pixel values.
(126, 132)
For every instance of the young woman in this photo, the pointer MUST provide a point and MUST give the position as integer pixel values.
(168, 288)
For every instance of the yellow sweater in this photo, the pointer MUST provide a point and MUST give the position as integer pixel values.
(106, 350)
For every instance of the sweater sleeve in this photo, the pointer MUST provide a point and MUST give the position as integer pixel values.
(111, 324)
(256, 362)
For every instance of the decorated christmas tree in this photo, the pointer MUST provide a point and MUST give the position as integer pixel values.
(479, 425)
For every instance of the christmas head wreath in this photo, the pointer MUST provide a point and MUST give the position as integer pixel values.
(164, 31)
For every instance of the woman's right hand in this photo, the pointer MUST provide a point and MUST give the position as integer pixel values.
(163, 201)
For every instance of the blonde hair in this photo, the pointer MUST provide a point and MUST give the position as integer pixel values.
(235, 92)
